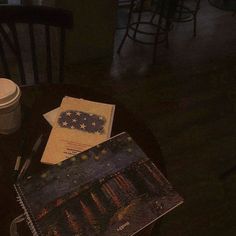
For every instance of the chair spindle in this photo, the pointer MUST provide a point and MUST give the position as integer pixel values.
(49, 57)
(4, 61)
(62, 51)
(18, 53)
(33, 53)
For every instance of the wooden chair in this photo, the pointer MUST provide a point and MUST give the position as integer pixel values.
(31, 16)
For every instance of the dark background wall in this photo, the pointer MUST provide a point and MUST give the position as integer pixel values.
(94, 29)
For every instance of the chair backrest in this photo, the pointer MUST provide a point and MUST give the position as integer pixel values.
(32, 16)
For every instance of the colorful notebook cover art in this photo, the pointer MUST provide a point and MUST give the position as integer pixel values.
(109, 190)
(79, 125)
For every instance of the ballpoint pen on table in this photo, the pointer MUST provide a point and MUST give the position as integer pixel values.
(19, 158)
(17, 166)
(28, 160)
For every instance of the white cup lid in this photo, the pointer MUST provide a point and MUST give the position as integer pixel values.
(9, 92)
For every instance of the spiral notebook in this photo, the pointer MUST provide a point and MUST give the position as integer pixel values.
(109, 190)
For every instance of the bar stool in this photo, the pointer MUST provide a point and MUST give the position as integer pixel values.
(149, 23)
(186, 11)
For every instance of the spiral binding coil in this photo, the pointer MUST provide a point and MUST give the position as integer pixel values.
(28, 217)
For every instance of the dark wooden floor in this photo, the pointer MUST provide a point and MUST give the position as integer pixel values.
(189, 101)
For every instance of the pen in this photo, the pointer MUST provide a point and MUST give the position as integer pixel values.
(18, 159)
(28, 160)
(17, 167)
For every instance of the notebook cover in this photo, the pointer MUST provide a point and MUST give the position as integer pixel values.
(111, 189)
(80, 124)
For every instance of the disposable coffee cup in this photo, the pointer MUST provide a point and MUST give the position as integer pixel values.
(10, 110)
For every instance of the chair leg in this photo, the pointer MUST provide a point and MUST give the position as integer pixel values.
(139, 18)
(168, 25)
(195, 18)
(155, 44)
(153, 17)
(127, 27)
(122, 42)
(155, 49)
(154, 14)
(159, 24)
(181, 9)
(195, 25)
(154, 54)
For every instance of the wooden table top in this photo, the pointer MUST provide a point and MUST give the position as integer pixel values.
(37, 100)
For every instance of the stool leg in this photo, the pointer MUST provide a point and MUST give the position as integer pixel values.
(167, 40)
(195, 18)
(168, 25)
(139, 18)
(181, 9)
(154, 52)
(156, 40)
(127, 27)
(154, 14)
(153, 17)
(194, 25)
(161, 16)
(122, 42)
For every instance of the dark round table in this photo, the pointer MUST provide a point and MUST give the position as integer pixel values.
(37, 100)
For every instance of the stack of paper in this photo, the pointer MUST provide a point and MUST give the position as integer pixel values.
(78, 125)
